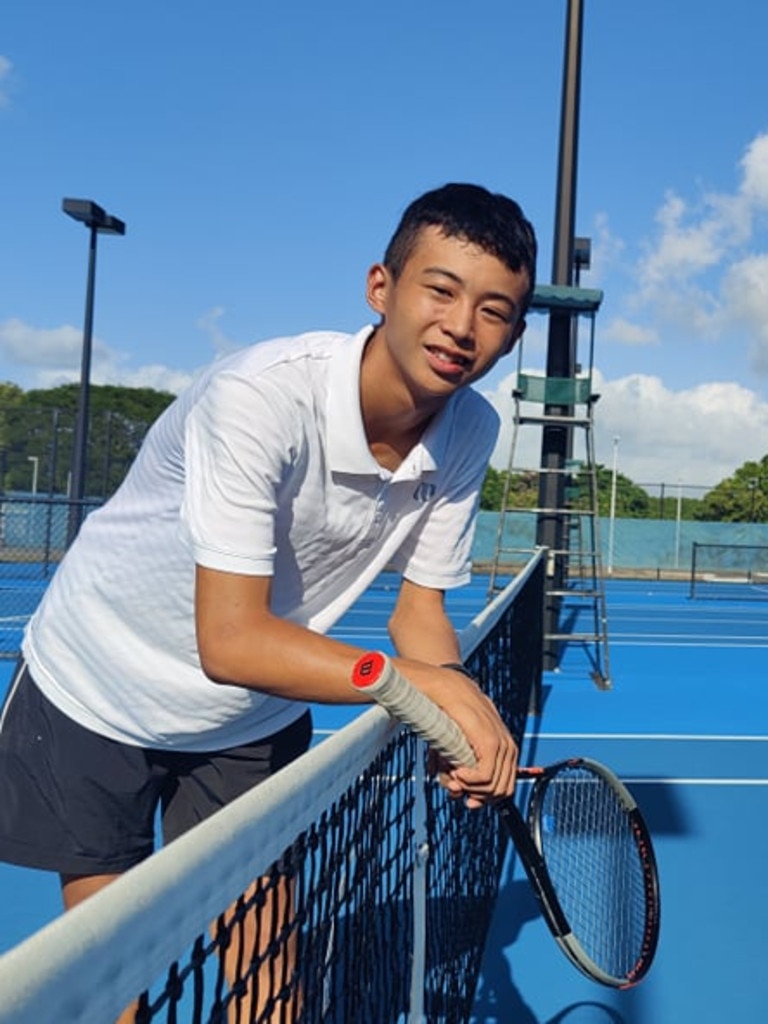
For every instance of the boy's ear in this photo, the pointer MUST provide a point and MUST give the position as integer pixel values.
(517, 333)
(377, 288)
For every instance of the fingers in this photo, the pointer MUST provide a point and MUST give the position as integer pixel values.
(492, 778)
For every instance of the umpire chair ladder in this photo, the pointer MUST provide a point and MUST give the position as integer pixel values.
(580, 595)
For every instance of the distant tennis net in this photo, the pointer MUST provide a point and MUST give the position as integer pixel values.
(348, 888)
(729, 571)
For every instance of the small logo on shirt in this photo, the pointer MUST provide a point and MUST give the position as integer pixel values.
(425, 492)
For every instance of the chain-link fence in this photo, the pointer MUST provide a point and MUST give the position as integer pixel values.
(34, 533)
(38, 518)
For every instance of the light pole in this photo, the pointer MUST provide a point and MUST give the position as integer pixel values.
(752, 485)
(98, 222)
(612, 513)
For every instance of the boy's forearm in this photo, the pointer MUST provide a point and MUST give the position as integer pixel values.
(434, 642)
(286, 660)
(420, 628)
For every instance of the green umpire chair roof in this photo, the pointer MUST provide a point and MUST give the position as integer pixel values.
(547, 297)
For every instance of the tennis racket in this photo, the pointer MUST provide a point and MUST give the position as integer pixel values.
(583, 842)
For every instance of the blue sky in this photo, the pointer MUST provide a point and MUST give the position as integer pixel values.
(262, 152)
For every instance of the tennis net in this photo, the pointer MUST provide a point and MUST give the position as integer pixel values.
(729, 571)
(373, 897)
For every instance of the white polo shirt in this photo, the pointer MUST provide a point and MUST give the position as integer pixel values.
(261, 467)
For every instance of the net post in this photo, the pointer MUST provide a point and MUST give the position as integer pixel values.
(692, 590)
(421, 857)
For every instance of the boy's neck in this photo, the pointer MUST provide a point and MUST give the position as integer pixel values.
(393, 418)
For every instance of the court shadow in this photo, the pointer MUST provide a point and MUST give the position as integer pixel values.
(588, 1012)
(498, 999)
(662, 808)
(355, 966)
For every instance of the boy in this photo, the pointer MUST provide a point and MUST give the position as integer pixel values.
(176, 649)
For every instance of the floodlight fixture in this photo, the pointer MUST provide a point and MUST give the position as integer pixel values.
(93, 216)
(99, 222)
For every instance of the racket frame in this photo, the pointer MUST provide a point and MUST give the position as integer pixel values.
(545, 889)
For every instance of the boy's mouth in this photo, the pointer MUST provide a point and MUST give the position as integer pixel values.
(448, 361)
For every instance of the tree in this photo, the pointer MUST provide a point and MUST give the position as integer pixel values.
(740, 498)
(523, 490)
(492, 490)
(40, 424)
(632, 502)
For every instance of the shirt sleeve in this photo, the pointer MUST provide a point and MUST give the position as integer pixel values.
(238, 452)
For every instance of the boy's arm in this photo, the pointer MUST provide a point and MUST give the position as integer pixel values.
(242, 643)
(421, 630)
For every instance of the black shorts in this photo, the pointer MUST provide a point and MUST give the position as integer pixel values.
(75, 802)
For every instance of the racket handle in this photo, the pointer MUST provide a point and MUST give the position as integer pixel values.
(375, 674)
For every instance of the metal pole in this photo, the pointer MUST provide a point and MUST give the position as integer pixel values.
(34, 459)
(556, 440)
(54, 453)
(678, 518)
(79, 458)
(107, 454)
(612, 513)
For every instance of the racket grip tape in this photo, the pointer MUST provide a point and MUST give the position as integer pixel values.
(375, 674)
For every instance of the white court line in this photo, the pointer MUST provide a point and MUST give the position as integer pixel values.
(674, 737)
(653, 737)
(641, 781)
(691, 636)
(651, 642)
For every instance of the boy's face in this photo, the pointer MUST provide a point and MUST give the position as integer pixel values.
(450, 315)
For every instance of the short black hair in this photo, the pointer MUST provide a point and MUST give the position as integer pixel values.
(489, 220)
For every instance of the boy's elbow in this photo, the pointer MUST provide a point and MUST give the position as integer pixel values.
(216, 660)
(214, 670)
(394, 625)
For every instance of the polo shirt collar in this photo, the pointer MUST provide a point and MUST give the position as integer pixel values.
(347, 445)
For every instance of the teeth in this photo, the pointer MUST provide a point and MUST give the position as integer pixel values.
(445, 358)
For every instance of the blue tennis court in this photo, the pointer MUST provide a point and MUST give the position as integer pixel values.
(685, 726)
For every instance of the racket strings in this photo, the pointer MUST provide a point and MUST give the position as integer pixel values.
(593, 860)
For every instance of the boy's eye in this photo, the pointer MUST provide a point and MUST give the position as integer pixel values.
(496, 314)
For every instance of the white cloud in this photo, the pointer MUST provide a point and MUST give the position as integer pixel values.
(153, 375)
(696, 436)
(755, 167)
(691, 242)
(27, 346)
(626, 333)
(36, 357)
(6, 68)
(607, 250)
(745, 288)
(209, 325)
(687, 273)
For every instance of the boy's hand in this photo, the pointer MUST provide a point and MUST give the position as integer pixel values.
(493, 776)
